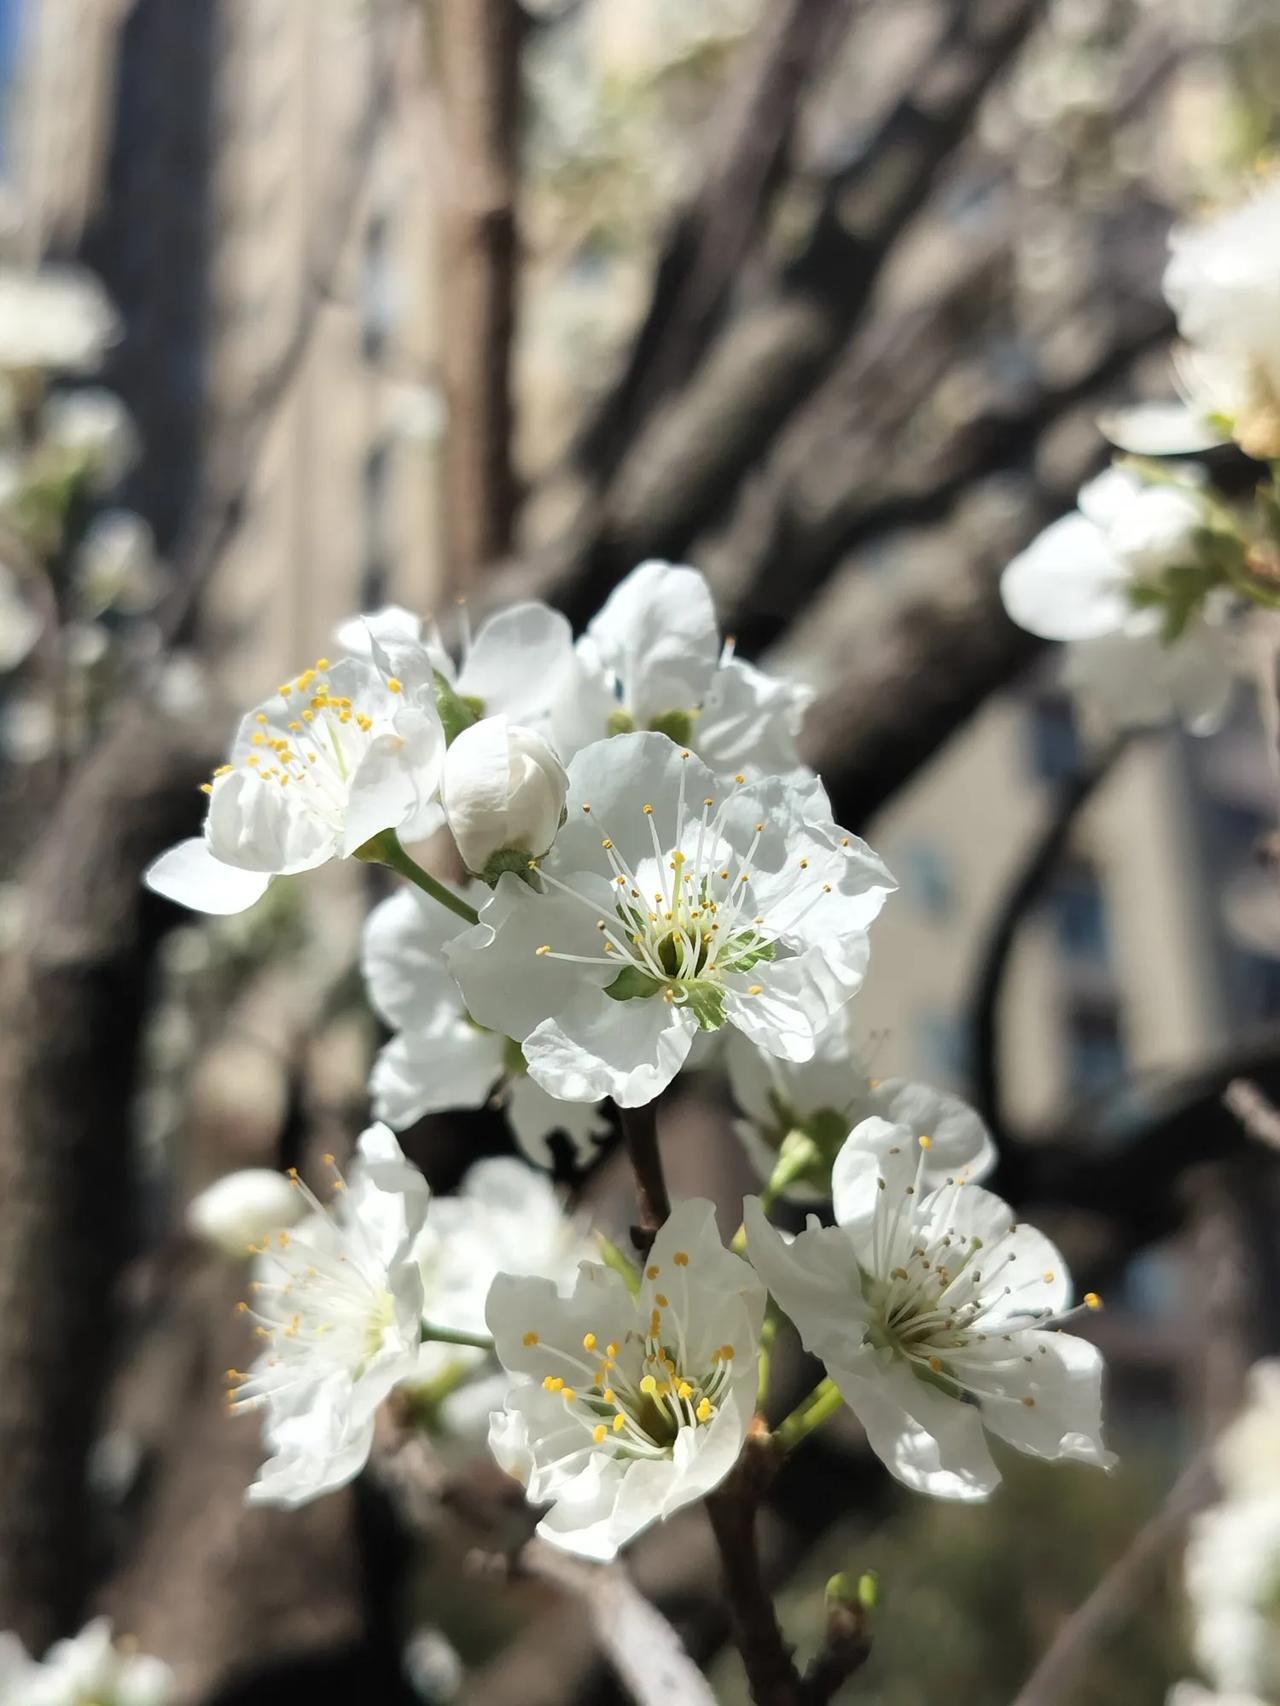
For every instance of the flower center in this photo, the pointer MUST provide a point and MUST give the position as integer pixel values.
(684, 917)
(313, 743)
(319, 1292)
(634, 1396)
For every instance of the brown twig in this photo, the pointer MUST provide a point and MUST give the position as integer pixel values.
(772, 1675)
(1058, 1676)
(653, 1204)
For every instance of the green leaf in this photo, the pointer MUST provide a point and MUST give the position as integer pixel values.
(620, 1262)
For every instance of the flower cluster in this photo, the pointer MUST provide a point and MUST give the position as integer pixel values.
(1144, 578)
(89, 1670)
(1233, 1555)
(648, 867)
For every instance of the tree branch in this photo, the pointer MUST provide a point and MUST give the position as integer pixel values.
(479, 52)
(640, 1133)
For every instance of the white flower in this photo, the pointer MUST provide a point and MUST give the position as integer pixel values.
(1223, 282)
(1233, 1584)
(16, 1667)
(440, 1057)
(89, 1670)
(1099, 578)
(19, 625)
(932, 1310)
(94, 429)
(338, 1301)
(116, 567)
(503, 1219)
(824, 1098)
(1247, 1453)
(240, 1209)
(516, 664)
(338, 755)
(627, 1408)
(651, 658)
(503, 793)
(58, 319)
(672, 902)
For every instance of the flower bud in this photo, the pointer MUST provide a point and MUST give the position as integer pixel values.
(242, 1208)
(503, 793)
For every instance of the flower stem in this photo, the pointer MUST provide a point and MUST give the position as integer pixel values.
(796, 1155)
(640, 1131)
(821, 1404)
(436, 1335)
(385, 849)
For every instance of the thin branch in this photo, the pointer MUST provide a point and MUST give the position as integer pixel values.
(653, 1204)
(1058, 1678)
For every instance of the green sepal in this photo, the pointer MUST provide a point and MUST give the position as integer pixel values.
(456, 713)
(706, 1002)
(632, 984)
(675, 724)
(617, 1259)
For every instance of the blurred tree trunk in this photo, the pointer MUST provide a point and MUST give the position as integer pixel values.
(478, 44)
(72, 1001)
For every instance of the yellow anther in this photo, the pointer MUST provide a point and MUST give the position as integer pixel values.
(530, 1338)
(724, 876)
(662, 1301)
(725, 1353)
(611, 1350)
(608, 1396)
(1049, 1276)
(684, 1390)
(259, 739)
(935, 1363)
(552, 1383)
(568, 1394)
(308, 716)
(206, 787)
(242, 1308)
(544, 949)
(260, 717)
(652, 1271)
(705, 1410)
(655, 1322)
(1029, 1403)
(224, 769)
(925, 1141)
(600, 1433)
(648, 811)
(844, 841)
(708, 801)
(649, 1386)
(804, 864)
(755, 989)
(681, 1258)
(587, 810)
(295, 727)
(286, 688)
(1092, 1300)
(588, 1341)
(322, 663)
(739, 777)
(394, 684)
(619, 1422)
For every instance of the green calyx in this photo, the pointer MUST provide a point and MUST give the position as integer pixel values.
(518, 861)
(676, 724)
(457, 710)
(704, 1000)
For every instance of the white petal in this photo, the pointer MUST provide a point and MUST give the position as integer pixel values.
(1052, 1404)
(657, 632)
(255, 823)
(1068, 584)
(453, 1068)
(190, 875)
(535, 1116)
(518, 662)
(1159, 429)
(598, 1047)
(815, 1280)
(931, 1443)
(750, 721)
(402, 958)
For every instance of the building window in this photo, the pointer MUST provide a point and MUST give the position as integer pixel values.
(377, 295)
(1095, 1052)
(926, 877)
(1079, 912)
(1053, 738)
(377, 528)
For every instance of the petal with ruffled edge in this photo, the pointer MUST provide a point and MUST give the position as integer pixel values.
(598, 1047)
(749, 721)
(518, 662)
(657, 633)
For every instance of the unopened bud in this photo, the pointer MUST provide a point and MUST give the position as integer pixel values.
(243, 1208)
(503, 794)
